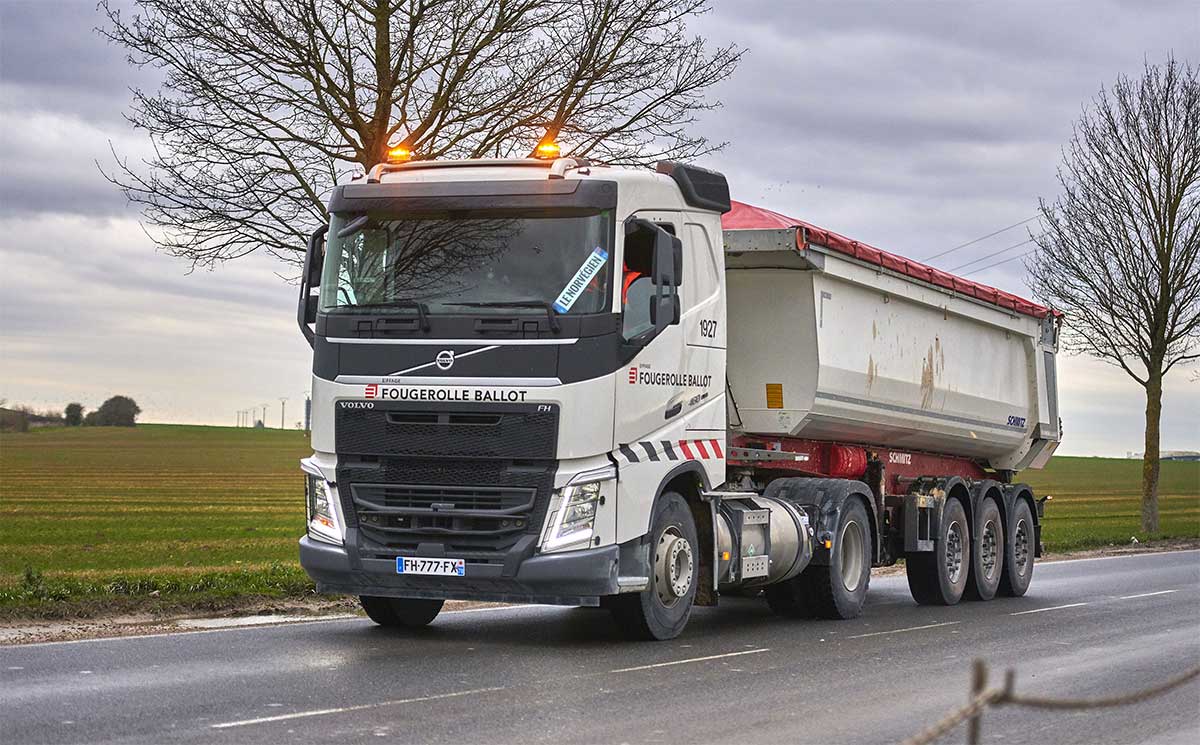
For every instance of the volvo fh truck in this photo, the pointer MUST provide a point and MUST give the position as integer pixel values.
(550, 381)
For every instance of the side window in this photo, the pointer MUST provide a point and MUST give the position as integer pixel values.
(637, 287)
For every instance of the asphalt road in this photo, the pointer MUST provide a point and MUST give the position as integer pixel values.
(738, 675)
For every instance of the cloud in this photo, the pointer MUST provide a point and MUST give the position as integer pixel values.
(913, 126)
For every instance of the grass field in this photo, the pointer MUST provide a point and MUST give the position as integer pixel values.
(102, 518)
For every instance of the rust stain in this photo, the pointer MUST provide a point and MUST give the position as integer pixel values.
(874, 330)
(927, 373)
(872, 371)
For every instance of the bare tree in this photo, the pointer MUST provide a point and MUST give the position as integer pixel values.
(1119, 249)
(265, 104)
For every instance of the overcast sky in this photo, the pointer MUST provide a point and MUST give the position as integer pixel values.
(914, 126)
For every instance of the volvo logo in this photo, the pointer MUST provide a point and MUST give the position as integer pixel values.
(444, 359)
(358, 404)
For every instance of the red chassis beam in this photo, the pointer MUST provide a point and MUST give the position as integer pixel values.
(848, 461)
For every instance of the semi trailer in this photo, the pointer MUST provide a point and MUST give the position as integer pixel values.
(552, 381)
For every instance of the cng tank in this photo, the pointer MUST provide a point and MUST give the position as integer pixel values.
(829, 342)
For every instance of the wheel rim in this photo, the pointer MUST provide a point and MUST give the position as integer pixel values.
(988, 550)
(673, 567)
(1021, 552)
(850, 555)
(954, 552)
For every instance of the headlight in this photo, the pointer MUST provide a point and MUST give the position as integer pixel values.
(569, 524)
(322, 519)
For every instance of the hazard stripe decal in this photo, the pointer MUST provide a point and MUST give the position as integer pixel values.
(646, 451)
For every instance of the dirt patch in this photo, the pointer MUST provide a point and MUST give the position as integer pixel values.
(141, 624)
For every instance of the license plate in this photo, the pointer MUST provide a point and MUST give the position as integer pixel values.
(438, 567)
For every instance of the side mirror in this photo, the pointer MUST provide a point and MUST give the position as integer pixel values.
(314, 257)
(668, 259)
(665, 307)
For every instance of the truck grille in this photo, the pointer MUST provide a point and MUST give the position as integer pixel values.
(480, 522)
(460, 479)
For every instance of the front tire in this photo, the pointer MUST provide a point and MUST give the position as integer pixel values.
(939, 577)
(661, 611)
(1018, 551)
(408, 613)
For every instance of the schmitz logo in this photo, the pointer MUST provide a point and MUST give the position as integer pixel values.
(904, 459)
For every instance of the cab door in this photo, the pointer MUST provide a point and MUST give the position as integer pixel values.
(669, 396)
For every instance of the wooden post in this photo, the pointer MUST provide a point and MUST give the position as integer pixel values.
(978, 685)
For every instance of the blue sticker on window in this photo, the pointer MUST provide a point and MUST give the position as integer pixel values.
(587, 272)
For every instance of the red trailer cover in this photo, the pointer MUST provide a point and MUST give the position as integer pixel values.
(748, 217)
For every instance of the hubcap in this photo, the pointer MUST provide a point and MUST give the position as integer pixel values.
(954, 552)
(672, 567)
(1021, 551)
(850, 550)
(987, 549)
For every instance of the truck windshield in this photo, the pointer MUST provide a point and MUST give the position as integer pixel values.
(468, 264)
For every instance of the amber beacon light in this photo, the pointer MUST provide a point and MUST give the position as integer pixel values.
(547, 150)
(399, 154)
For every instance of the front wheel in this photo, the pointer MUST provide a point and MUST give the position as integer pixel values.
(401, 612)
(662, 610)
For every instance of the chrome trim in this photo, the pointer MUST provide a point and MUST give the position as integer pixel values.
(453, 358)
(492, 382)
(453, 342)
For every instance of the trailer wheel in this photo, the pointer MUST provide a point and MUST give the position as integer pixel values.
(1018, 551)
(987, 558)
(400, 612)
(939, 577)
(662, 610)
(839, 589)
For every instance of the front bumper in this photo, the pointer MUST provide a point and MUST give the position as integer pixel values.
(569, 578)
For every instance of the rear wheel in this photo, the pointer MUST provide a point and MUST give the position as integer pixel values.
(939, 577)
(987, 560)
(401, 612)
(1018, 551)
(836, 591)
(662, 610)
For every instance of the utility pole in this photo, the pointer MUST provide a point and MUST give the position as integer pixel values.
(282, 408)
(307, 412)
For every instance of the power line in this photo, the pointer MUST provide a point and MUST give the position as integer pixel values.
(980, 238)
(1002, 261)
(988, 256)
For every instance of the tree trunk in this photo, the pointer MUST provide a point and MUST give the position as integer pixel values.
(1150, 462)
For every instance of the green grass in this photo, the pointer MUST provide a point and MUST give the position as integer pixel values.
(1097, 501)
(109, 513)
(164, 517)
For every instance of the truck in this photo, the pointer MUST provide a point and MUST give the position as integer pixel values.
(546, 380)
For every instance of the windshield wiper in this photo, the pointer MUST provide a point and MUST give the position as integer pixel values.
(422, 309)
(543, 304)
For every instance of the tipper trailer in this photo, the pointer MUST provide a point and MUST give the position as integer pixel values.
(550, 381)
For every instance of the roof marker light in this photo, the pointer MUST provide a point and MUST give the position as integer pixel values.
(547, 150)
(399, 154)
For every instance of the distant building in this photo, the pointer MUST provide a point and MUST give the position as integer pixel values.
(1185, 455)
